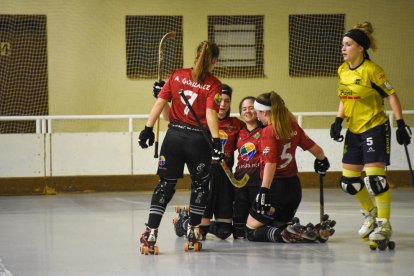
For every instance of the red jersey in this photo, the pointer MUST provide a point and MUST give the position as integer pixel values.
(228, 130)
(283, 152)
(248, 145)
(200, 95)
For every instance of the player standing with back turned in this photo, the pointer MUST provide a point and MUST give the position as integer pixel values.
(362, 89)
(184, 142)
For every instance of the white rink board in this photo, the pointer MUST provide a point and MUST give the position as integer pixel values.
(91, 154)
(118, 153)
(22, 155)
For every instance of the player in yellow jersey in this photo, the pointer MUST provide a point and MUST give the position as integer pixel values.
(362, 89)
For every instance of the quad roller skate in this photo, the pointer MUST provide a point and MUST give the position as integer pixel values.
(148, 240)
(369, 223)
(297, 233)
(324, 229)
(179, 223)
(380, 237)
(193, 236)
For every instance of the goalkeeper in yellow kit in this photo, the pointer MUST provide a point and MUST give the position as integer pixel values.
(362, 89)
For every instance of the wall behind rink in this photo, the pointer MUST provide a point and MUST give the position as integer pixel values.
(113, 161)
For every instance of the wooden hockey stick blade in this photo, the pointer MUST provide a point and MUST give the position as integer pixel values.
(236, 183)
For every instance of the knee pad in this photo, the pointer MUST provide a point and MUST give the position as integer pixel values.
(249, 233)
(351, 185)
(222, 230)
(165, 190)
(376, 184)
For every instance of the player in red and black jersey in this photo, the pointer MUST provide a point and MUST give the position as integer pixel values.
(184, 142)
(248, 162)
(280, 193)
(221, 196)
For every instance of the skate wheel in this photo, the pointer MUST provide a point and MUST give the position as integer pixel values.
(156, 250)
(177, 209)
(325, 217)
(332, 223)
(295, 220)
(391, 245)
(146, 250)
(382, 246)
(197, 246)
(186, 247)
(373, 245)
(141, 249)
(175, 221)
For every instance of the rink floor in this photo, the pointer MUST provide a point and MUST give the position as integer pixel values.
(97, 234)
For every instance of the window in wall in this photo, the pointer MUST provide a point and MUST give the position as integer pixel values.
(143, 35)
(315, 44)
(240, 39)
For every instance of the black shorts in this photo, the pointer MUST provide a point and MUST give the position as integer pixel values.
(285, 197)
(221, 196)
(374, 145)
(182, 147)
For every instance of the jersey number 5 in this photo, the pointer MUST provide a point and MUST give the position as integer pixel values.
(285, 156)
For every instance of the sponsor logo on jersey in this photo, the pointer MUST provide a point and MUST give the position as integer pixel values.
(161, 161)
(388, 85)
(266, 150)
(358, 81)
(370, 149)
(217, 98)
(223, 137)
(256, 135)
(247, 151)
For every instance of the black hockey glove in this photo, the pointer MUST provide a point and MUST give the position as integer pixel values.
(403, 137)
(336, 128)
(262, 204)
(146, 135)
(217, 152)
(157, 88)
(321, 166)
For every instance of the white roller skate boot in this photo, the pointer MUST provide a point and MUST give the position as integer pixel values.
(381, 236)
(148, 240)
(369, 223)
(194, 237)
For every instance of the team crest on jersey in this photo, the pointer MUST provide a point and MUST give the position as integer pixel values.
(217, 98)
(358, 81)
(247, 151)
(161, 161)
(266, 150)
(256, 135)
(223, 137)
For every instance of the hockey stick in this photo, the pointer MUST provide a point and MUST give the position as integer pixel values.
(408, 157)
(161, 49)
(321, 198)
(236, 183)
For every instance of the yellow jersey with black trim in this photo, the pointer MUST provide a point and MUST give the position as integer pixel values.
(362, 91)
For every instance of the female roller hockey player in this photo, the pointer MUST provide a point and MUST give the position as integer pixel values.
(280, 193)
(362, 89)
(221, 196)
(184, 142)
(248, 162)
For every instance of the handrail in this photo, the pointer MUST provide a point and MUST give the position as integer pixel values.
(44, 123)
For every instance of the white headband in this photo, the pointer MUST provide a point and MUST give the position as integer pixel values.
(261, 107)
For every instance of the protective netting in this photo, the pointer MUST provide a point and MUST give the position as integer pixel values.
(23, 70)
(315, 44)
(143, 36)
(240, 39)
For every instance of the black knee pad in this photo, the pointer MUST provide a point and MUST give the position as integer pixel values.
(249, 233)
(222, 230)
(165, 190)
(351, 185)
(376, 184)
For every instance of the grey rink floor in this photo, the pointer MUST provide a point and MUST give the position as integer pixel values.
(97, 234)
